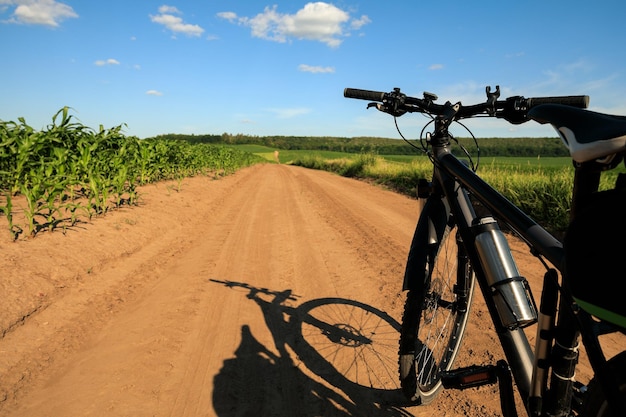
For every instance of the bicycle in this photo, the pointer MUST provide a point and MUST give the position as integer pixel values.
(453, 247)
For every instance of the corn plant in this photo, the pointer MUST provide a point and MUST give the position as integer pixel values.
(69, 170)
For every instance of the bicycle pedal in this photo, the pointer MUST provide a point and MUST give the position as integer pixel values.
(469, 377)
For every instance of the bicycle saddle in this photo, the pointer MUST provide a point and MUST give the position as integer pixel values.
(588, 135)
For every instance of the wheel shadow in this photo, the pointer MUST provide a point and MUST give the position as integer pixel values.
(349, 347)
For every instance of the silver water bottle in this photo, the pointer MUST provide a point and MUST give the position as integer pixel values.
(509, 289)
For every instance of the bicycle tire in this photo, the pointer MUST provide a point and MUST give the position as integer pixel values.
(428, 343)
(595, 404)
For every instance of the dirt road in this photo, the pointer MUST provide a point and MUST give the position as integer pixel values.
(215, 299)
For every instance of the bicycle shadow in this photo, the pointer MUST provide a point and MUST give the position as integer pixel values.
(349, 347)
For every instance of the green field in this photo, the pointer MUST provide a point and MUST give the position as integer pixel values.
(539, 186)
(503, 162)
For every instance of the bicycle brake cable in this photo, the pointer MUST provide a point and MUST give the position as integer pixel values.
(423, 149)
(465, 151)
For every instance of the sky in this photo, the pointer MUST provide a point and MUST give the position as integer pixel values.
(262, 68)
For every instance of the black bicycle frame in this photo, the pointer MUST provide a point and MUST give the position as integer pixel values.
(458, 182)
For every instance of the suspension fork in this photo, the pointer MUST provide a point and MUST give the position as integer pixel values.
(463, 205)
(462, 286)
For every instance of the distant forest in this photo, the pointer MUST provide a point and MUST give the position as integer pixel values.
(522, 147)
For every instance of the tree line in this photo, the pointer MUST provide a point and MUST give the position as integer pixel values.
(520, 147)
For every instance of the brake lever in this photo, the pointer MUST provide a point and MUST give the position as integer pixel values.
(394, 111)
(380, 107)
(392, 104)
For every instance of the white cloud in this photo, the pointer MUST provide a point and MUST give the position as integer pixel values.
(315, 69)
(581, 65)
(289, 113)
(168, 17)
(104, 62)
(567, 76)
(359, 23)
(165, 9)
(154, 93)
(435, 67)
(39, 12)
(467, 92)
(230, 16)
(319, 21)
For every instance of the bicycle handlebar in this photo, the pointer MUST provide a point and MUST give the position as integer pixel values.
(364, 94)
(513, 109)
(573, 101)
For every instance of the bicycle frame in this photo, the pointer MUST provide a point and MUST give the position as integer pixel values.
(456, 181)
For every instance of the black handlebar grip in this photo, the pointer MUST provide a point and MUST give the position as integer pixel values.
(574, 101)
(364, 94)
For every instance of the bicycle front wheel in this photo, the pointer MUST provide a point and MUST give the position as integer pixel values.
(435, 313)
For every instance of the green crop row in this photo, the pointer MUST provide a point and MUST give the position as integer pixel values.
(69, 170)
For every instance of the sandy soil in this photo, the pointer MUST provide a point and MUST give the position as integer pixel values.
(216, 300)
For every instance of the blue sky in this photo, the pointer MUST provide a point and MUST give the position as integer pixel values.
(279, 68)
